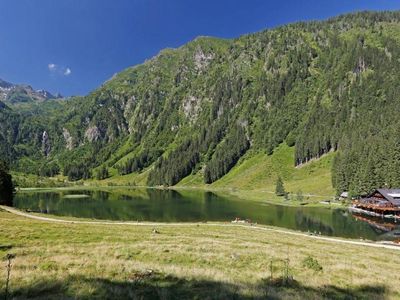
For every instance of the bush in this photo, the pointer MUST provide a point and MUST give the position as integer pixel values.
(312, 263)
(299, 196)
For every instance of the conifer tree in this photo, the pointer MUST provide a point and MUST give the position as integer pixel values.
(102, 173)
(280, 189)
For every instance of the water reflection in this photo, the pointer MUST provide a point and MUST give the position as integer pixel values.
(197, 206)
(384, 229)
(6, 198)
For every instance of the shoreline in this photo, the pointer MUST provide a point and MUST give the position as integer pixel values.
(262, 196)
(386, 245)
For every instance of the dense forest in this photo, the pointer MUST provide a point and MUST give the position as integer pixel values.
(318, 86)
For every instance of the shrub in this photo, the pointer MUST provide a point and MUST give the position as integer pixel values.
(312, 263)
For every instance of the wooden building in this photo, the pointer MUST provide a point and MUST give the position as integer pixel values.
(380, 203)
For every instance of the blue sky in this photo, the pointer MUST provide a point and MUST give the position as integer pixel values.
(72, 46)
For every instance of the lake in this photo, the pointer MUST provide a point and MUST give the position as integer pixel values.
(131, 204)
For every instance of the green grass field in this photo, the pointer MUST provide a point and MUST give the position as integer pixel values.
(254, 177)
(261, 171)
(82, 261)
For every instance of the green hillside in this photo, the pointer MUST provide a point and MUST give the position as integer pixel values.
(255, 176)
(205, 114)
(261, 172)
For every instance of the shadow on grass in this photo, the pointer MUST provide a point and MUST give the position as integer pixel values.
(5, 247)
(158, 286)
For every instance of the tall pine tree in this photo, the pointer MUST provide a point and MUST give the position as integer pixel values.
(280, 189)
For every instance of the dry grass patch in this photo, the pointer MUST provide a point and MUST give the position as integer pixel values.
(117, 261)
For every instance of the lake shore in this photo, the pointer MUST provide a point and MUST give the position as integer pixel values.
(264, 196)
(96, 260)
(248, 180)
(74, 220)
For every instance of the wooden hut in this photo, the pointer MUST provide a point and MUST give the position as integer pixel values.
(381, 202)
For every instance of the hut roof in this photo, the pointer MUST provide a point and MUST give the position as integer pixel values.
(392, 195)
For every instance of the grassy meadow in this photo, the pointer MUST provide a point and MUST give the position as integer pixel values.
(190, 261)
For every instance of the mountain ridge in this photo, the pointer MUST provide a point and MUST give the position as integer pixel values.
(199, 108)
(13, 94)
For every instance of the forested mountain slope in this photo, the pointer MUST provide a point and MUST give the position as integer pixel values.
(317, 86)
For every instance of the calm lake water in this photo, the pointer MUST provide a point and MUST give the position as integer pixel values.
(198, 206)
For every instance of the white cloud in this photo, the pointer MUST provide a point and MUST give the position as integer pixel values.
(59, 70)
(67, 71)
(52, 67)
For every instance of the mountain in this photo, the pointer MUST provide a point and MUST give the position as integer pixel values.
(5, 84)
(213, 104)
(18, 93)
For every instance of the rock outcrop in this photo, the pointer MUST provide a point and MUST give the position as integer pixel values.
(92, 134)
(69, 143)
(46, 147)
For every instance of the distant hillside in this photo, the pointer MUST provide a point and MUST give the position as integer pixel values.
(19, 93)
(198, 110)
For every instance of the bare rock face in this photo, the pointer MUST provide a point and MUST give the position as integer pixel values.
(46, 147)
(129, 105)
(361, 66)
(69, 143)
(220, 111)
(191, 107)
(201, 59)
(93, 134)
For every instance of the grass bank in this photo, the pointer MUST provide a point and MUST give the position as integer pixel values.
(194, 261)
(254, 177)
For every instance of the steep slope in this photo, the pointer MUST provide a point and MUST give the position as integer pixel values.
(318, 86)
(8, 126)
(258, 172)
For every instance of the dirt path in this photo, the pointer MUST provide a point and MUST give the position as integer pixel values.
(250, 227)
